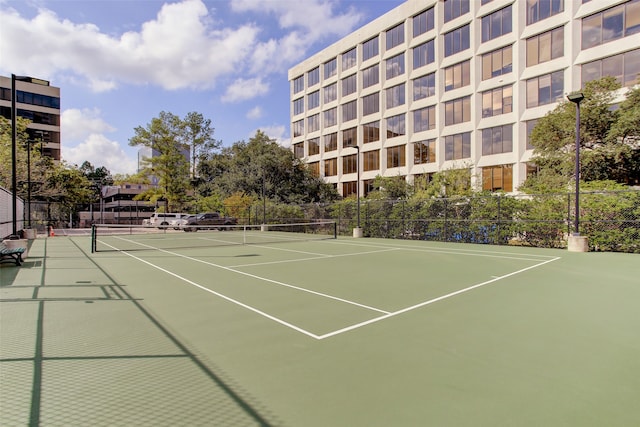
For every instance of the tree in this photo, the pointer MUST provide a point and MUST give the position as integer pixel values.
(198, 133)
(169, 164)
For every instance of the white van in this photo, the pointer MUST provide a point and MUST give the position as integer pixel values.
(162, 219)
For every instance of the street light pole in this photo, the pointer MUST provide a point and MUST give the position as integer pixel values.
(357, 232)
(576, 242)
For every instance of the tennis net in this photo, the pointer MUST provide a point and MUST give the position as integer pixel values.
(111, 237)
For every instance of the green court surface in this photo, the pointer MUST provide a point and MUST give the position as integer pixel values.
(337, 332)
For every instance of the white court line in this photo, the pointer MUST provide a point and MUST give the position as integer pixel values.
(431, 301)
(264, 279)
(312, 258)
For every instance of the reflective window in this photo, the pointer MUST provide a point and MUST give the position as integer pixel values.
(298, 150)
(330, 142)
(537, 10)
(458, 75)
(496, 24)
(395, 36)
(497, 63)
(395, 66)
(313, 100)
(497, 140)
(370, 76)
(396, 156)
(423, 22)
(349, 188)
(456, 41)
(455, 8)
(611, 24)
(371, 132)
(298, 84)
(330, 93)
(298, 128)
(331, 167)
(545, 89)
(315, 168)
(371, 160)
(545, 47)
(423, 54)
(313, 123)
(349, 59)
(349, 111)
(457, 146)
(424, 119)
(349, 137)
(395, 95)
(330, 68)
(349, 164)
(298, 106)
(349, 85)
(313, 77)
(396, 126)
(424, 87)
(331, 117)
(371, 104)
(497, 178)
(370, 49)
(424, 152)
(314, 146)
(457, 111)
(624, 67)
(497, 101)
(530, 125)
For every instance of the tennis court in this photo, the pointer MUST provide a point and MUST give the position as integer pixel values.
(157, 330)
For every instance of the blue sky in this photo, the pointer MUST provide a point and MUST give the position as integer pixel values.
(119, 63)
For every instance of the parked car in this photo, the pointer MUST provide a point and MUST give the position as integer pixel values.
(209, 220)
(163, 219)
(179, 223)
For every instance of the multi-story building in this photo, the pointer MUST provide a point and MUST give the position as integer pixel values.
(440, 84)
(39, 102)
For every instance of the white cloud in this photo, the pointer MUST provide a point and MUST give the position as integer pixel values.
(277, 132)
(255, 113)
(243, 89)
(77, 124)
(100, 151)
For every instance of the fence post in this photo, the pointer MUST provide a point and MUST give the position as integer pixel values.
(498, 222)
(568, 218)
(446, 212)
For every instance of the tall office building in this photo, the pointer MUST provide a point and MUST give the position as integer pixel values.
(440, 84)
(39, 102)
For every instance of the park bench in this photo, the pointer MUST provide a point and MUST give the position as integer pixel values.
(11, 254)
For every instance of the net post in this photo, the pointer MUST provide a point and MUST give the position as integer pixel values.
(335, 230)
(93, 238)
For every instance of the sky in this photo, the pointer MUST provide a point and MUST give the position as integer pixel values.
(119, 63)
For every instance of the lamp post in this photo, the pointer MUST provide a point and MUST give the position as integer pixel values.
(14, 127)
(357, 232)
(576, 242)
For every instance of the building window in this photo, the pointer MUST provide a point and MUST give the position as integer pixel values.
(298, 84)
(456, 41)
(349, 188)
(371, 132)
(298, 128)
(457, 146)
(330, 93)
(545, 89)
(396, 156)
(395, 95)
(349, 111)
(313, 123)
(314, 168)
(458, 75)
(349, 164)
(496, 24)
(330, 142)
(424, 87)
(395, 36)
(497, 140)
(545, 47)
(331, 117)
(530, 125)
(371, 160)
(497, 63)
(423, 22)
(611, 24)
(371, 104)
(371, 76)
(313, 100)
(330, 68)
(498, 178)
(395, 66)
(424, 152)
(537, 10)
(424, 119)
(349, 85)
(624, 67)
(313, 77)
(370, 49)
(497, 101)
(455, 8)
(298, 106)
(314, 146)
(457, 111)
(532, 169)
(331, 167)
(349, 59)
(298, 150)
(349, 137)
(396, 126)
(423, 54)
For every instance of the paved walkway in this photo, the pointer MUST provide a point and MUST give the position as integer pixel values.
(76, 349)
